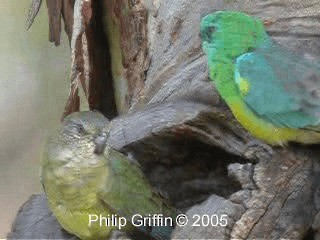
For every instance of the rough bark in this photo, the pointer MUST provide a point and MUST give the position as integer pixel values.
(190, 146)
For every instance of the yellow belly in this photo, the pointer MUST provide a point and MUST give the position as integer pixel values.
(73, 198)
(268, 132)
(77, 222)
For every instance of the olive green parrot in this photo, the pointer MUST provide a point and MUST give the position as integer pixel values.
(85, 179)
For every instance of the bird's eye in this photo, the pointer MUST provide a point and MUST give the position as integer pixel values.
(78, 127)
(211, 29)
(208, 33)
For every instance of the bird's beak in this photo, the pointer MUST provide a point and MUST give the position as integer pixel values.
(100, 143)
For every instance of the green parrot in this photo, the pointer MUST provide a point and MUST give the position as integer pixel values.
(272, 92)
(93, 189)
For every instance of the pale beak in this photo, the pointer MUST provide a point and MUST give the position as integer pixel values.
(100, 143)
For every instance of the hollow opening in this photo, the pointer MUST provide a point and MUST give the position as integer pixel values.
(310, 235)
(186, 170)
(102, 88)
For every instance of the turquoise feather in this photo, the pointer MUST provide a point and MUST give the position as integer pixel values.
(284, 88)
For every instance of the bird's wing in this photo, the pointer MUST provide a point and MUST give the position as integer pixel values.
(126, 191)
(279, 86)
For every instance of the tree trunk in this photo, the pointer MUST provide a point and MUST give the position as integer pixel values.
(143, 61)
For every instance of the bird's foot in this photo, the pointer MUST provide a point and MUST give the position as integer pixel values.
(255, 150)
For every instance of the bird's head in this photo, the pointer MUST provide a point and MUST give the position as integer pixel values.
(231, 33)
(82, 134)
(88, 126)
(84, 123)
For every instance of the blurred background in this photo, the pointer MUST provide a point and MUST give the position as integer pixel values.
(34, 82)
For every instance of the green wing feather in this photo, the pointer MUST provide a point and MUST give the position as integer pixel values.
(127, 192)
(127, 183)
(284, 88)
